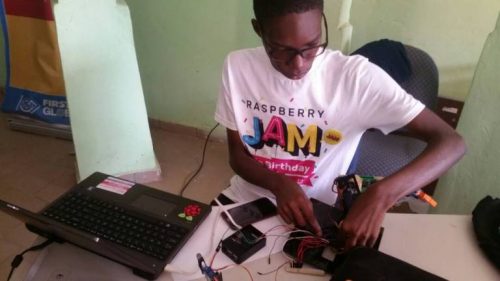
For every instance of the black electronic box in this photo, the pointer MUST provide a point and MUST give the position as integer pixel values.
(243, 244)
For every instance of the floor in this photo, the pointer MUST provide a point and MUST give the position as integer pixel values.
(36, 169)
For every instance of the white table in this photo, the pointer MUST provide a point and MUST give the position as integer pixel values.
(442, 244)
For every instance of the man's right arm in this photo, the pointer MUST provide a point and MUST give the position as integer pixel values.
(293, 204)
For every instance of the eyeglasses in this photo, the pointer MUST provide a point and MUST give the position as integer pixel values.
(287, 54)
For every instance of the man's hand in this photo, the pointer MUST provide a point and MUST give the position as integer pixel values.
(294, 206)
(444, 148)
(361, 227)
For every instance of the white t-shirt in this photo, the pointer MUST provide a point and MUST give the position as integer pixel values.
(308, 129)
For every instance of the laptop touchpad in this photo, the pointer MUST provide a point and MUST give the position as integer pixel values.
(153, 205)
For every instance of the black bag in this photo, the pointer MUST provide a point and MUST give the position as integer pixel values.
(486, 221)
(367, 264)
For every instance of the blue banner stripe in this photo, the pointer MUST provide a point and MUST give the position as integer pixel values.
(47, 108)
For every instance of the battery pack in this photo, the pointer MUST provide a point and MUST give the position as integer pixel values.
(243, 244)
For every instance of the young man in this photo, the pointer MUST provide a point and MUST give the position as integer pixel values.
(295, 112)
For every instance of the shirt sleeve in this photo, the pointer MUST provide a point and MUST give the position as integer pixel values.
(384, 104)
(224, 112)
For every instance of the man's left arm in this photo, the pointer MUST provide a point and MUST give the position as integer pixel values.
(444, 148)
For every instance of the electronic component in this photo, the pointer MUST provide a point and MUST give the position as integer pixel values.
(243, 244)
(210, 274)
(311, 250)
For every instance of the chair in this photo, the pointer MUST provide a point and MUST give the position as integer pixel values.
(382, 155)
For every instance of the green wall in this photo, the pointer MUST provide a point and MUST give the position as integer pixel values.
(451, 31)
(477, 174)
(181, 46)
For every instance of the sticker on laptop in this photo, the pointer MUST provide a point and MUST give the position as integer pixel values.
(190, 211)
(115, 185)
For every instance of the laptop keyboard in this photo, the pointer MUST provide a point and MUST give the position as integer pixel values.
(109, 221)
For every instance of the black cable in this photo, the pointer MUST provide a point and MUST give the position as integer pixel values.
(201, 163)
(19, 258)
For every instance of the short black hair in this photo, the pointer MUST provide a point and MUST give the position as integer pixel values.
(266, 9)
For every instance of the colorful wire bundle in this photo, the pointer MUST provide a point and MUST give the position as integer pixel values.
(307, 243)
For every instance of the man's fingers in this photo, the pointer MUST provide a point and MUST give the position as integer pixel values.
(311, 219)
(355, 239)
(361, 241)
(371, 241)
(316, 227)
(351, 238)
(350, 242)
(284, 214)
(297, 215)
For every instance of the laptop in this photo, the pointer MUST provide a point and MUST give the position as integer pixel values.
(132, 224)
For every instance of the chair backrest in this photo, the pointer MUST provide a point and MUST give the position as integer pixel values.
(423, 82)
(411, 67)
(417, 73)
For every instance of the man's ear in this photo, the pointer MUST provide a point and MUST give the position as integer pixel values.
(256, 27)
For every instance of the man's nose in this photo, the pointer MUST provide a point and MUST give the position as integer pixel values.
(297, 61)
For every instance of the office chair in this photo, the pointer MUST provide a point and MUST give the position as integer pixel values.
(382, 155)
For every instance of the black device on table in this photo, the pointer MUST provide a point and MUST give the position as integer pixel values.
(250, 212)
(360, 264)
(135, 225)
(366, 264)
(329, 218)
(243, 244)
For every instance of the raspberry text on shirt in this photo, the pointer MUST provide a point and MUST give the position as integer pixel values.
(284, 111)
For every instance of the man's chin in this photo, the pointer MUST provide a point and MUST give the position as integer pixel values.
(295, 76)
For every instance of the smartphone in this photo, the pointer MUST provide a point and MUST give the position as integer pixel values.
(250, 212)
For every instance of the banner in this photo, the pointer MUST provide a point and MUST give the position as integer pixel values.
(34, 85)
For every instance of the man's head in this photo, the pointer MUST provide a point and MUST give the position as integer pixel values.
(291, 33)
